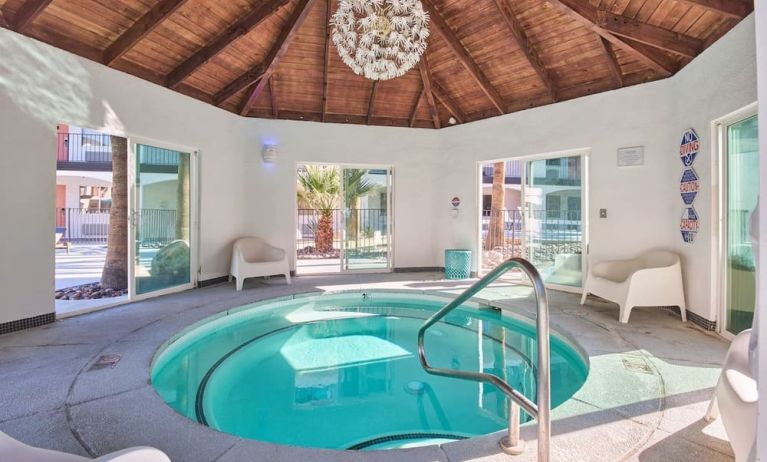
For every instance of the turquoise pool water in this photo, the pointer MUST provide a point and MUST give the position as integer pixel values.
(341, 371)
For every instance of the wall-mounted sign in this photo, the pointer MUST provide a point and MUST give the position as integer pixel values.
(689, 148)
(630, 157)
(689, 186)
(689, 225)
(456, 201)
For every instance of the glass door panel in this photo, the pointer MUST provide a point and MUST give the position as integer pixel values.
(162, 219)
(553, 221)
(367, 212)
(742, 192)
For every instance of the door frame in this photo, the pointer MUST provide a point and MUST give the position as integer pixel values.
(389, 212)
(585, 155)
(719, 204)
(194, 204)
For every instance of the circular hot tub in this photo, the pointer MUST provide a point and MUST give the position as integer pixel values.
(341, 371)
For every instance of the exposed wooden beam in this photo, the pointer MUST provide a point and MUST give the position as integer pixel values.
(584, 13)
(141, 29)
(448, 102)
(531, 54)
(243, 26)
(650, 35)
(27, 13)
(328, 15)
(371, 101)
(252, 96)
(265, 69)
(719, 32)
(423, 67)
(737, 9)
(439, 24)
(612, 61)
(3, 22)
(273, 95)
(416, 106)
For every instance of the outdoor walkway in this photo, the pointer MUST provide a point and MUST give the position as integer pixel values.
(648, 386)
(83, 265)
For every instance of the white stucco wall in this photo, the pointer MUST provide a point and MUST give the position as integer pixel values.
(761, 51)
(643, 203)
(241, 195)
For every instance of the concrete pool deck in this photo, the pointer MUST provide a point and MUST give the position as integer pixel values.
(647, 390)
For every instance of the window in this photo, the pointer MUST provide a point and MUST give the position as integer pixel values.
(553, 206)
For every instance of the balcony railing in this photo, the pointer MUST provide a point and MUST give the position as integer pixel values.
(93, 151)
(91, 226)
(544, 232)
(362, 229)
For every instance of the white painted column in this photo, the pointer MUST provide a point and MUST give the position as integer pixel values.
(761, 58)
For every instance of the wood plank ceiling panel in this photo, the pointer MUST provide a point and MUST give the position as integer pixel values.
(300, 72)
(478, 65)
(188, 29)
(449, 72)
(486, 40)
(241, 55)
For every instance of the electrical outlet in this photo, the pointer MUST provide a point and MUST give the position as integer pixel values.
(602, 213)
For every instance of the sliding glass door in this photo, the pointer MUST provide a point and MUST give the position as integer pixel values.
(162, 220)
(366, 242)
(742, 189)
(534, 209)
(553, 222)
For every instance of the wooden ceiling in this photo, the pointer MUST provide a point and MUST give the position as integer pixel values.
(273, 59)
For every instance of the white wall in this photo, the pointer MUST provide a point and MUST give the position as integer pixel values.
(643, 203)
(761, 51)
(41, 86)
(241, 195)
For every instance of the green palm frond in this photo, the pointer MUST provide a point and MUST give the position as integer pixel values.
(319, 187)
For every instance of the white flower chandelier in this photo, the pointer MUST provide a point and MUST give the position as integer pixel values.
(380, 39)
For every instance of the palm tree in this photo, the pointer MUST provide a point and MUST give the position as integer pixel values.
(115, 273)
(319, 188)
(356, 186)
(495, 232)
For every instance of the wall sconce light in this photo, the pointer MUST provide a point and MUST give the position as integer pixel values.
(269, 153)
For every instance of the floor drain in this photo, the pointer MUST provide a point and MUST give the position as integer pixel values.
(637, 365)
(106, 361)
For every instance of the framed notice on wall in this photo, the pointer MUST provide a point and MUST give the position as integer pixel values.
(631, 157)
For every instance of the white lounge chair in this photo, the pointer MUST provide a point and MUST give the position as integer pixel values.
(736, 398)
(252, 257)
(16, 451)
(653, 279)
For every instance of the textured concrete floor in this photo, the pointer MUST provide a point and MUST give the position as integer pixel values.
(644, 399)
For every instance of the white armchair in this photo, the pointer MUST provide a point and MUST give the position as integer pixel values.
(16, 451)
(736, 398)
(652, 279)
(252, 257)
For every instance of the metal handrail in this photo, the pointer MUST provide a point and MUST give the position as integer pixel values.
(542, 408)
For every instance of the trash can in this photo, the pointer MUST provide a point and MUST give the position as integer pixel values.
(457, 263)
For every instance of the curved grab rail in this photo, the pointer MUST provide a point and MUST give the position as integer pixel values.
(542, 408)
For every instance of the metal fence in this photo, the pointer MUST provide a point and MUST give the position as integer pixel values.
(91, 226)
(366, 230)
(543, 235)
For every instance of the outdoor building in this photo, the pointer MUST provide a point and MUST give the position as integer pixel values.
(401, 230)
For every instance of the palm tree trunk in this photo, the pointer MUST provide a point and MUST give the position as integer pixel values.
(182, 198)
(323, 238)
(115, 274)
(495, 234)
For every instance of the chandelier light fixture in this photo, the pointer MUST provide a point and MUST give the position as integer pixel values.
(380, 39)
